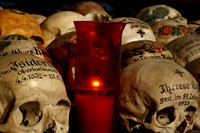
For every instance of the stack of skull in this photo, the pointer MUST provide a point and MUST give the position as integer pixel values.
(159, 85)
(159, 91)
(33, 96)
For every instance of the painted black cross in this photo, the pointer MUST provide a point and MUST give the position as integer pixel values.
(179, 72)
(141, 32)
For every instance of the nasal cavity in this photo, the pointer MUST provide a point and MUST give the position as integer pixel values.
(181, 127)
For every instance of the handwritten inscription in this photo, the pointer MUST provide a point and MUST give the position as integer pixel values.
(182, 93)
(34, 50)
(189, 51)
(170, 88)
(31, 76)
(31, 69)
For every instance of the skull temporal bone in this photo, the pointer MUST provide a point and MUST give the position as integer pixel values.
(31, 104)
(164, 104)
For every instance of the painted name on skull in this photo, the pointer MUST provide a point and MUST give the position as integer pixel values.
(175, 92)
(138, 25)
(177, 87)
(29, 69)
(21, 64)
(35, 51)
(189, 51)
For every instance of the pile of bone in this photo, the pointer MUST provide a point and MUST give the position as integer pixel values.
(160, 77)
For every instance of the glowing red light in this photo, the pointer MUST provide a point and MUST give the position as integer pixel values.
(96, 83)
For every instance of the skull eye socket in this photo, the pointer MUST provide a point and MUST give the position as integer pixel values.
(189, 113)
(62, 107)
(31, 113)
(166, 116)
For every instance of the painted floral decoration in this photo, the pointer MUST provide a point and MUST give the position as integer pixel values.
(173, 30)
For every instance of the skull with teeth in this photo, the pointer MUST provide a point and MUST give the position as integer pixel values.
(33, 98)
(157, 96)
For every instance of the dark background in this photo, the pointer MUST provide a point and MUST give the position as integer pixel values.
(189, 9)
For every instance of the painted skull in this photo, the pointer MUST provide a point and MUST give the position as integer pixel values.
(185, 51)
(92, 10)
(155, 13)
(33, 96)
(143, 50)
(62, 51)
(135, 30)
(13, 21)
(58, 24)
(157, 96)
(19, 44)
(168, 30)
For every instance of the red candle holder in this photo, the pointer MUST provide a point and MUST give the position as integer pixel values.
(97, 74)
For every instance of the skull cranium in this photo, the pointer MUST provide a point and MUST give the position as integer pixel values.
(158, 95)
(58, 24)
(33, 96)
(92, 10)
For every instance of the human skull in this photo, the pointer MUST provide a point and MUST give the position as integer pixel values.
(92, 10)
(185, 49)
(168, 30)
(155, 13)
(58, 24)
(33, 96)
(135, 30)
(18, 44)
(158, 96)
(142, 50)
(62, 51)
(13, 21)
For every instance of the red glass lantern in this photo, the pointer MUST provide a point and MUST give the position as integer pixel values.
(97, 74)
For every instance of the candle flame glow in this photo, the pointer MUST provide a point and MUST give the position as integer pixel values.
(96, 83)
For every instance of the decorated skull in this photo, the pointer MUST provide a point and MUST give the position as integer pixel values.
(19, 44)
(58, 24)
(135, 30)
(155, 13)
(185, 51)
(13, 21)
(168, 30)
(62, 51)
(92, 10)
(33, 96)
(157, 96)
(142, 50)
